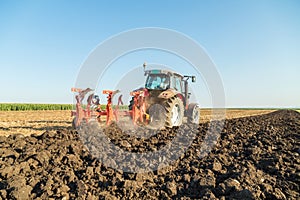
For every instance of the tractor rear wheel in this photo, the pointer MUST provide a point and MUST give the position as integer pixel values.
(174, 112)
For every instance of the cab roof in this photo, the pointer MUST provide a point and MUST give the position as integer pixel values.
(161, 71)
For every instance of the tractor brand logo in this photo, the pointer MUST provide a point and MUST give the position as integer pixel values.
(143, 117)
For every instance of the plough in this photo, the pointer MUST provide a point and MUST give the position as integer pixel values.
(85, 112)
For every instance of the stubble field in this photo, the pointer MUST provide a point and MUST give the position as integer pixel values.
(37, 122)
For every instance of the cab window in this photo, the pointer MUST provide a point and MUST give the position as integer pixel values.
(177, 81)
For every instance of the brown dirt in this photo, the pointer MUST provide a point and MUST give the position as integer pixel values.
(206, 114)
(256, 157)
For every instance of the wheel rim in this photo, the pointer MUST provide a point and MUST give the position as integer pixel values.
(175, 115)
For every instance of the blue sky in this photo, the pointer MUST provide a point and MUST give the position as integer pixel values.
(254, 44)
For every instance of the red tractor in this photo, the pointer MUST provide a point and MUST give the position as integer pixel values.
(166, 97)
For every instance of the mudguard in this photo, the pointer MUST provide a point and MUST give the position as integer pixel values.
(168, 93)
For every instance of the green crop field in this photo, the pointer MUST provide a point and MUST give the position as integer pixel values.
(28, 106)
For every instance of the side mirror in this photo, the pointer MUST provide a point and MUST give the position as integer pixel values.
(144, 66)
(193, 79)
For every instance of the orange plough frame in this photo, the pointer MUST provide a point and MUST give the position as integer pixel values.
(138, 112)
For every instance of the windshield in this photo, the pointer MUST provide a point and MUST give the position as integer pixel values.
(158, 82)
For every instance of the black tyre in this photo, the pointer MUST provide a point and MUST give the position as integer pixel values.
(131, 102)
(193, 113)
(174, 112)
(157, 115)
(130, 106)
(74, 123)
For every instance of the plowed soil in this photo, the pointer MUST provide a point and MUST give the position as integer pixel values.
(255, 157)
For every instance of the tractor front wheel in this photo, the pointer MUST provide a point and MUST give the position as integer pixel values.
(193, 113)
(174, 112)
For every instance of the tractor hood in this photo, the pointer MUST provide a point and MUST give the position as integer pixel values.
(165, 94)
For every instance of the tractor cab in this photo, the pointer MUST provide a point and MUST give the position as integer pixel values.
(157, 80)
(163, 80)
